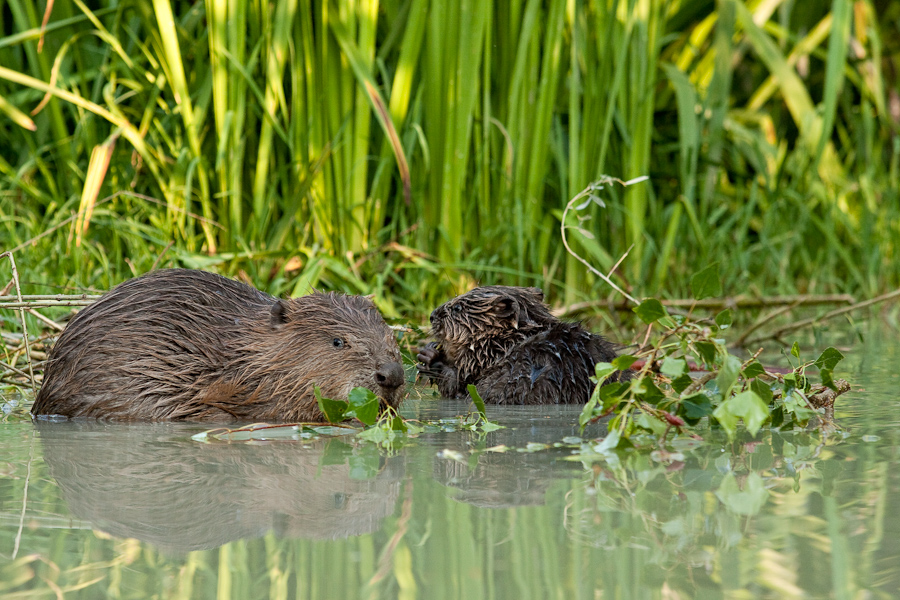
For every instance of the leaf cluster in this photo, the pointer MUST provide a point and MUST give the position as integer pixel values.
(723, 390)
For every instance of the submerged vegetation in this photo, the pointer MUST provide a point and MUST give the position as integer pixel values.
(407, 148)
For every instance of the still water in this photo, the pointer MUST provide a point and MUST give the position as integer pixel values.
(91, 510)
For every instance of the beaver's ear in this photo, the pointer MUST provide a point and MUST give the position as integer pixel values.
(536, 293)
(505, 307)
(278, 315)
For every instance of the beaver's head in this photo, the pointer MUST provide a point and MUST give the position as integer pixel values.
(489, 316)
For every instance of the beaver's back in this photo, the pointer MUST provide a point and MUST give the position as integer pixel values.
(149, 339)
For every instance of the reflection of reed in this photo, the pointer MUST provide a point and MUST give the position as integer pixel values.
(180, 495)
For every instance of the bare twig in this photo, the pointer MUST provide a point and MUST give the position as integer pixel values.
(48, 322)
(15, 278)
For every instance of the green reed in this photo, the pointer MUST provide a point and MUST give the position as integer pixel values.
(407, 148)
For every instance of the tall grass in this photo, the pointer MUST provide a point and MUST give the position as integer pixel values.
(409, 147)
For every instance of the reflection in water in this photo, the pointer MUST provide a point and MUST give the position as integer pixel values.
(492, 476)
(142, 482)
(783, 514)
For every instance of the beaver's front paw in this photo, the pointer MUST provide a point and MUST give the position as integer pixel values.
(429, 355)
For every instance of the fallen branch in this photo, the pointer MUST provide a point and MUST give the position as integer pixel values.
(829, 315)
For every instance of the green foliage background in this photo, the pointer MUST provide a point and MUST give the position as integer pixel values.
(271, 140)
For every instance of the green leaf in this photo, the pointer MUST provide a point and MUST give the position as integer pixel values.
(363, 404)
(648, 392)
(623, 362)
(709, 352)
(795, 350)
(706, 283)
(682, 383)
(333, 410)
(728, 374)
(650, 310)
(827, 378)
(602, 370)
(611, 393)
(673, 367)
(489, 426)
(754, 369)
(398, 424)
(650, 423)
(747, 406)
(695, 408)
(724, 319)
(476, 399)
(762, 390)
(829, 359)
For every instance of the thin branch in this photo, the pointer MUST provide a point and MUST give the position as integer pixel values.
(589, 192)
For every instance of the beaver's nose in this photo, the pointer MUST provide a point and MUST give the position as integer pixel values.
(390, 375)
(435, 314)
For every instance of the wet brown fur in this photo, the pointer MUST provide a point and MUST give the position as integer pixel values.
(180, 344)
(505, 341)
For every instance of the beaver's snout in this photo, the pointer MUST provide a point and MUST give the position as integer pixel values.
(390, 376)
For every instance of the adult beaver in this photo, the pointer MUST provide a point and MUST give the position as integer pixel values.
(180, 344)
(505, 341)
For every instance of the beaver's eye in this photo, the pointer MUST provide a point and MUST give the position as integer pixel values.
(337, 343)
(457, 308)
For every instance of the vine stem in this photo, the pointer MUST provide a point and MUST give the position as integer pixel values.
(588, 192)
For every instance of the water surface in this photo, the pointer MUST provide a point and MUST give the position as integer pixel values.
(93, 510)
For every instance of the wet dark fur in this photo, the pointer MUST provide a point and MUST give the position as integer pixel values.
(180, 344)
(505, 341)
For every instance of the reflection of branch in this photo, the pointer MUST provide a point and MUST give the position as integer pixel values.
(402, 526)
(24, 499)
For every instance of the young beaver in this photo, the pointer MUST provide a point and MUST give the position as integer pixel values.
(180, 344)
(505, 341)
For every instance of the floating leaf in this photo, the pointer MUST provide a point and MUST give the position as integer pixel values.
(706, 283)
